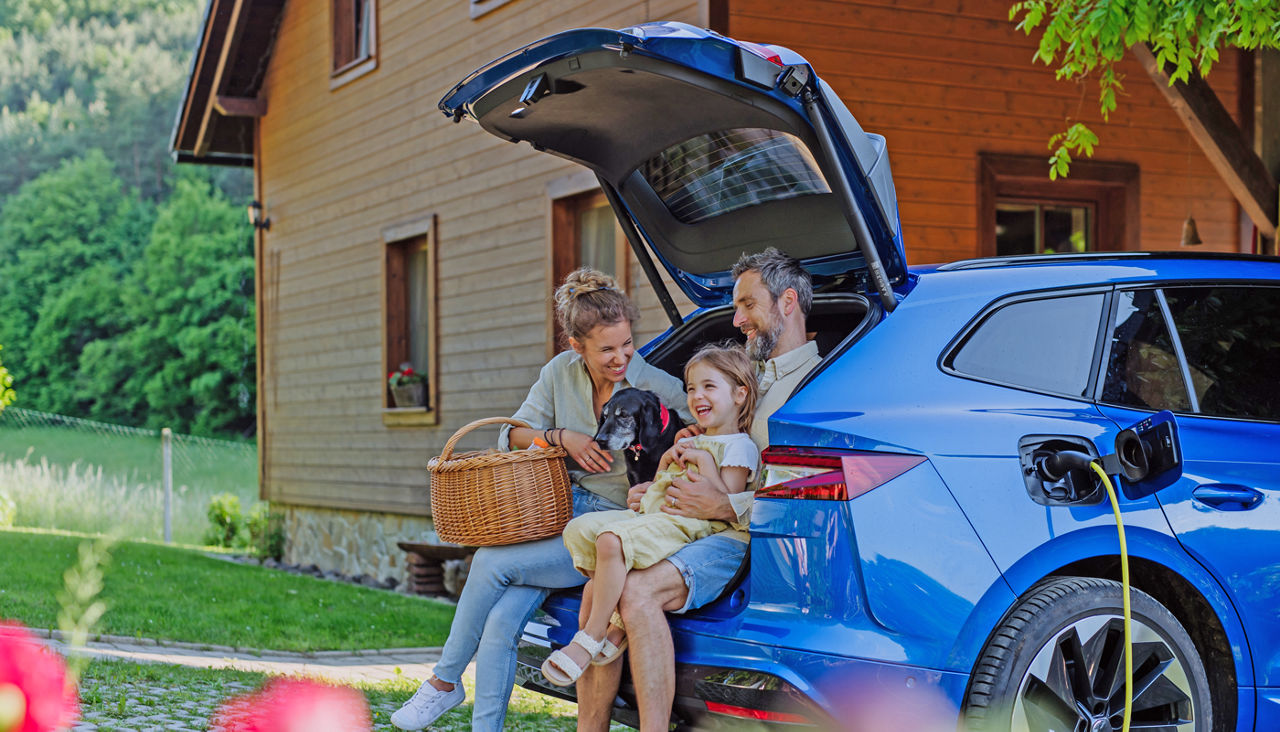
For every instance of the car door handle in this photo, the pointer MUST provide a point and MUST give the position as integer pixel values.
(1228, 497)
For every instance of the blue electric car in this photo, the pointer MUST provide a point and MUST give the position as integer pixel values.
(910, 558)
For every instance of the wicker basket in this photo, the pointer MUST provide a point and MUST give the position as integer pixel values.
(489, 497)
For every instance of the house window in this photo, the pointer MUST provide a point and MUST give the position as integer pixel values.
(410, 321)
(1021, 211)
(355, 38)
(1043, 227)
(585, 233)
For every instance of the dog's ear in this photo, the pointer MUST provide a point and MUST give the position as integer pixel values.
(649, 421)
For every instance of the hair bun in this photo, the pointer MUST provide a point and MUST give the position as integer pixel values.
(582, 281)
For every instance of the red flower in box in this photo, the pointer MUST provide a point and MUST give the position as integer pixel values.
(34, 693)
(294, 705)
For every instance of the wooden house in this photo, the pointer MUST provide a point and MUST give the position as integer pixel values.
(386, 234)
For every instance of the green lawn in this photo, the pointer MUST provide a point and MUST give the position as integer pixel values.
(112, 693)
(163, 592)
(86, 478)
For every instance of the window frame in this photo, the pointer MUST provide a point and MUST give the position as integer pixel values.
(398, 241)
(567, 198)
(341, 15)
(1111, 188)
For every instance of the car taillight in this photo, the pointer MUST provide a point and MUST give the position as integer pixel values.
(828, 475)
(764, 52)
(762, 715)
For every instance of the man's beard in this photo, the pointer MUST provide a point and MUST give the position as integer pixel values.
(761, 347)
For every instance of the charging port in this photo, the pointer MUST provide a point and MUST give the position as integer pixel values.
(1064, 485)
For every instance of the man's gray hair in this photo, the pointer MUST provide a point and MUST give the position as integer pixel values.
(778, 271)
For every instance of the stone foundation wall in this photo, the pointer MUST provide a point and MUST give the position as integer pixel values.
(353, 542)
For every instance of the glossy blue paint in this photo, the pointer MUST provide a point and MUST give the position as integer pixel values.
(889, 599)
(1239, 546)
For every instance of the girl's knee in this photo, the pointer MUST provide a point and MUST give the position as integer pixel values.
(608, 545)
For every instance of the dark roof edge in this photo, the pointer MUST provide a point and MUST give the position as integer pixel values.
(191, 80)
(990, 262)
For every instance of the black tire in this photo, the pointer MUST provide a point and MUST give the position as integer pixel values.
(1056, 662)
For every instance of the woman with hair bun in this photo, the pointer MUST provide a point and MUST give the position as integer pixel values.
(507, 583)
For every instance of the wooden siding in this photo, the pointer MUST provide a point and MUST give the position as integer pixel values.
(945, 80)
(336, 168)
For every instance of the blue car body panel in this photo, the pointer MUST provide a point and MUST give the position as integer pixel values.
(892, 596)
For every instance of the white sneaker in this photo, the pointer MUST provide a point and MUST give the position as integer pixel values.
(426, 706)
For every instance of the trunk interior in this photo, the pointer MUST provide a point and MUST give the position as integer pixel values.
(835, 321)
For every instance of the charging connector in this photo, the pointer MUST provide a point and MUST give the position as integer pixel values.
(1055, 466)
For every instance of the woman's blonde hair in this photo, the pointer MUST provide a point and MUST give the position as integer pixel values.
(731, 360)
(589, 298)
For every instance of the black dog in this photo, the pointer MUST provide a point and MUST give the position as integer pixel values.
(634, 420)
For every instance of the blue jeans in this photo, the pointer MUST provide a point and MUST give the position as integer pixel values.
(504, 586)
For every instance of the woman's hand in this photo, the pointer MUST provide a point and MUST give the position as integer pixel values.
(585, 451)
(637, 492)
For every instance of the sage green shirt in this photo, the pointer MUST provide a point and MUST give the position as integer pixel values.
(561, 397)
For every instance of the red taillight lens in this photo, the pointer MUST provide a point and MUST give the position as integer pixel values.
(763, 715)
(763, 52)
(828, 475)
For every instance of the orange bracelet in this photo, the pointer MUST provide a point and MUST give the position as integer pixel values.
(539, 442)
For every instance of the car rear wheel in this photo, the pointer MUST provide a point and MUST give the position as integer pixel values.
(1056, 662)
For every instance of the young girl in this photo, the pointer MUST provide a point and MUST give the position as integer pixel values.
(720, 386)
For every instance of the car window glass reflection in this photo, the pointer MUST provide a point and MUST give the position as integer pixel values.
(1143, 369)
(1231, 338)
(1010, 346)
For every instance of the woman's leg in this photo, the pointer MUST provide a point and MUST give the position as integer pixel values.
(532, 570)
(496, 657)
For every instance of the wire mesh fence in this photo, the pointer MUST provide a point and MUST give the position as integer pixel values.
(63, 472)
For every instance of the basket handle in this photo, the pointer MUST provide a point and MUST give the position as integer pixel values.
(447, 452)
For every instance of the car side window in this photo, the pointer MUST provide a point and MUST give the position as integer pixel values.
(1044, 345)
(1231, 338)
(1143, 369)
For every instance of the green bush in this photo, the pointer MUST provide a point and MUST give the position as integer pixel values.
(226, 517)
(6, 388)
(266, 532)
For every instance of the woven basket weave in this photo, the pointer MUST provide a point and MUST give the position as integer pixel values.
(488, 498)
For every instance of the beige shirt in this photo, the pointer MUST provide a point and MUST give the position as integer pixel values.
(561, 397)
(778, 377)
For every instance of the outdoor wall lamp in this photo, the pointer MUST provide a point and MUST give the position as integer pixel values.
(258, 216)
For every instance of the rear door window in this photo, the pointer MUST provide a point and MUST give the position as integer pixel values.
(1043, 344)
(1231, 338)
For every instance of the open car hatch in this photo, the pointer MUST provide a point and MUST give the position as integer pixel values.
(706, 147)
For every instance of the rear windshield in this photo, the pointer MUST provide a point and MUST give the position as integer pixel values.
(719, 172)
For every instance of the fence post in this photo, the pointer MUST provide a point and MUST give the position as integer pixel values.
(166, 449)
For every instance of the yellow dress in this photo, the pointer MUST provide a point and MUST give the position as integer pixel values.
(650, 535)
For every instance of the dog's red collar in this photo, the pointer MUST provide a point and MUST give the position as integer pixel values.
(638, 448)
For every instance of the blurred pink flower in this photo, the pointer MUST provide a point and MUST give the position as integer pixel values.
(34, 693)
(294, 705)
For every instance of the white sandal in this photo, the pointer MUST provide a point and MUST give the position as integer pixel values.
(562, 670)
(608, 651)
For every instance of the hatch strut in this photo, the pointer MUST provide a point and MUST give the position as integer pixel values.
(851, 210)
(642, 254)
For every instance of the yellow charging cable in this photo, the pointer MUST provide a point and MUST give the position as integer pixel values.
(1124, 582)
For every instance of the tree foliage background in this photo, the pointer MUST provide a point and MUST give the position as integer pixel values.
(1086, 38)
(126, 283)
